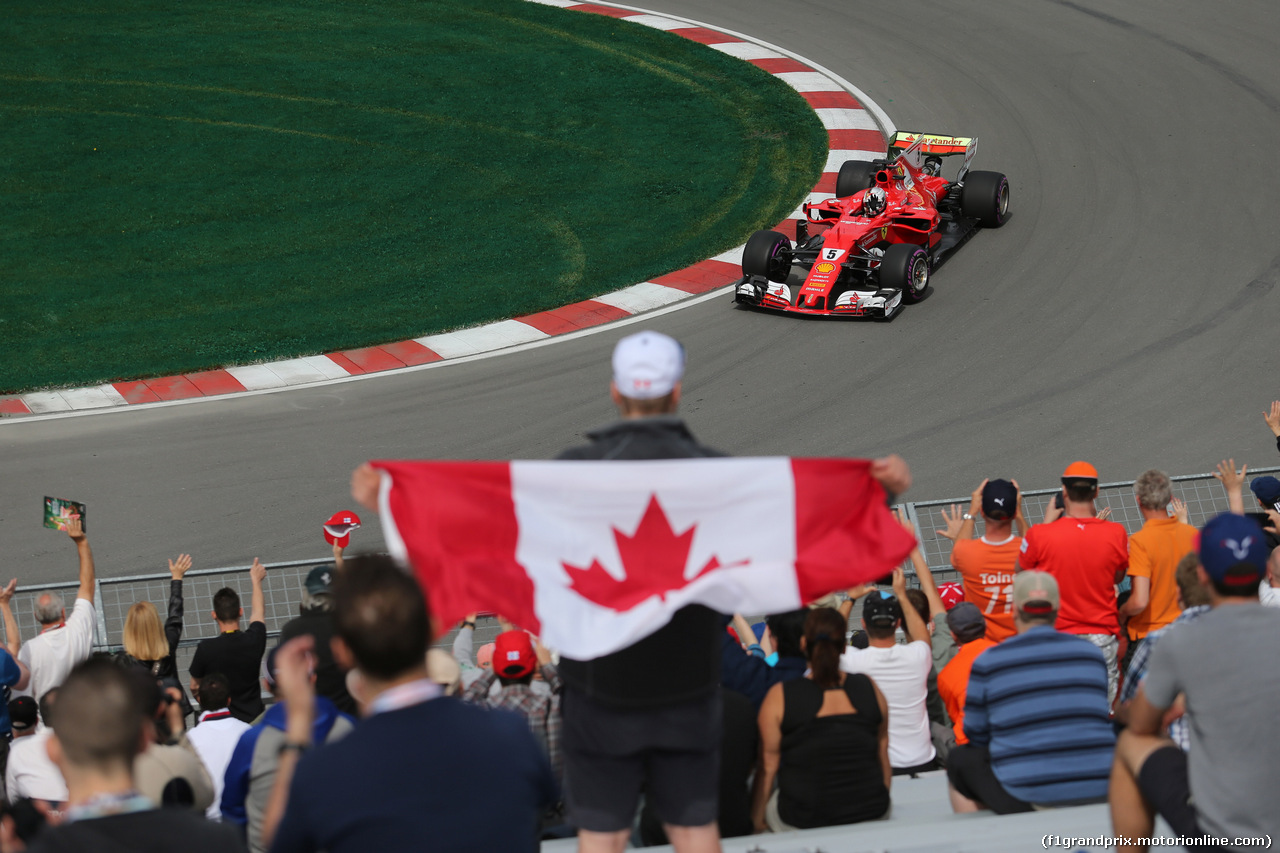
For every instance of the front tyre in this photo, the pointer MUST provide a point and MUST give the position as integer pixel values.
(986, 198)
(905, 267)
(767, 254)
(854, 175)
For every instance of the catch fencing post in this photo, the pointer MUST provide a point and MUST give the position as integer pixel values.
(910, 507)
(101, 643)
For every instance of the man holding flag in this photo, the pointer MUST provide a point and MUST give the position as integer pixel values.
(621, 559)
(653, 708)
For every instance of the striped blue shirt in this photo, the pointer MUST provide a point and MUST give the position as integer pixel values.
(1038, 702)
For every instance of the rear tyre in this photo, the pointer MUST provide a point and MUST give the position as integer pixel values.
(905, 267)
(986, 198)
(854, 175)
(767, 253)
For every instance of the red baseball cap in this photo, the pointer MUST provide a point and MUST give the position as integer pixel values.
(951, 593)
(337, 530)
(513, 654)
(1080, 471)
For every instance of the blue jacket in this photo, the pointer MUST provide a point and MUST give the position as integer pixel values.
(750, 675)
(10, 675)
(256, 757)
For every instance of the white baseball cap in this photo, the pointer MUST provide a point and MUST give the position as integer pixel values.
(647, 365)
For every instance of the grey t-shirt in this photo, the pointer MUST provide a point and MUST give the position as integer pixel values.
(1226, 664)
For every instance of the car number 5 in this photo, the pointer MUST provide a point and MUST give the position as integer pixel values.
(832, 254)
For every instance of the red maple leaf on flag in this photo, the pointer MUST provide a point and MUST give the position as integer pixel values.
(655, 558)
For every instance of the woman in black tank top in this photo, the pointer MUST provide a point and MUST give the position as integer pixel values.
(831, 768)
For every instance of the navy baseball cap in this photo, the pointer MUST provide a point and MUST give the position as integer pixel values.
(1267, 490)
(967, 622)
(999, 500)
(1233, 549)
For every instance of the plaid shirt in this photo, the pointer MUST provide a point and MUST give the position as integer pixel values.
(540, 709)
(1178, 729)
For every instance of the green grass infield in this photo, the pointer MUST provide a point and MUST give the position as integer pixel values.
(192, 185)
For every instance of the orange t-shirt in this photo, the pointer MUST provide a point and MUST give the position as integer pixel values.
(987, 573)
(1154, 552)
(1085, 556)
(953, 682)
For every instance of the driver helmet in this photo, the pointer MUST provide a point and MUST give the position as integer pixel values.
(874, 202)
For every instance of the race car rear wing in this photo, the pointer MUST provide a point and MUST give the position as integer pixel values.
(932, 144)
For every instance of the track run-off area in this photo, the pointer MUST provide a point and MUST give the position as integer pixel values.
(1124, 314)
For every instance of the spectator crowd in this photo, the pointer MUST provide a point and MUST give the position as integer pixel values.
(1072, 663)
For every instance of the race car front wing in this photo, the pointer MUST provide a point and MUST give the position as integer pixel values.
(758, 292)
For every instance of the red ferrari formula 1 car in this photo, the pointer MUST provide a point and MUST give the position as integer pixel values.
(895, 220)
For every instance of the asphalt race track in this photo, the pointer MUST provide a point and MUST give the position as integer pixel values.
(1125, 314)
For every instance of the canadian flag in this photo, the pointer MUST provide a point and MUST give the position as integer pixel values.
(593, 556)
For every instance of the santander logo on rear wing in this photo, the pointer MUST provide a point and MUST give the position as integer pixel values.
(915, 145)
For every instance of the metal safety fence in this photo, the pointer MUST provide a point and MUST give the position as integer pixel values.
(282, 589)
(282, 597)
(1203, 494)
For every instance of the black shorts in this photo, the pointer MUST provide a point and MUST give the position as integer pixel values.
(969, 771)
(1162, 779)
(931, 764)
(611, 755)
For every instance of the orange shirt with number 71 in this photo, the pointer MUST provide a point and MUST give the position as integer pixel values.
(986, 570)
